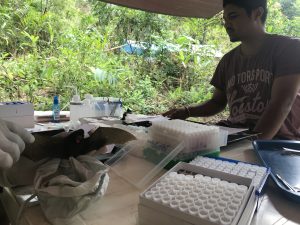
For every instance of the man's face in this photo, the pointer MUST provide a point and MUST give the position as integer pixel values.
(238, 24)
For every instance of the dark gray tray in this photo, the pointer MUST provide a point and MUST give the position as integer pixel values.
(286, 165)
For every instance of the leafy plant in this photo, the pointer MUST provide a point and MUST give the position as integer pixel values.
(49, 47)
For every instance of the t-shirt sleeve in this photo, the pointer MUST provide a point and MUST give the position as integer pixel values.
(287, 59)
(218, 79)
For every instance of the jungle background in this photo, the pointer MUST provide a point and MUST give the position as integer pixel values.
(153, 62)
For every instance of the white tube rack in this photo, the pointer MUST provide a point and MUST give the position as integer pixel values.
(200, 197)
(195, 136)
(257, 173)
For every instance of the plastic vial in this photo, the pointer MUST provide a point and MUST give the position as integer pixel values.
(166, 199)
(203, 213)
(149, 194)
(56, 110)
(225, 220)
(174, 204)
(213, 217)
(193, 210)
(76, 108)
(183, 207)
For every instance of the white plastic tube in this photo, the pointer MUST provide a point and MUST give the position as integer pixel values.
(173, 192)
(198, 203)
(213, 217)
(180, 198)
(207, 191)
(198, 176)
(225, 220)
(229, 213)
(189, 201)
(174, 204)
(162, 183)
(173, 174)
(163, 191)
(222, 204)
(233, 207)
(193, 195)
(189, 177)
(228, 193)
(155, 189)
(212, 202)
(219, 210)
(242, 189)
(203, 213)
(223, 183)
(208, 207)
(157, 197)
(166, 200)
(184, 192)
(193, 210)
(202, 197)
(215, 196)
(225, 198)
(207, 179)
(149, 194)
(183, 207)
(215, 181)
(218, 190)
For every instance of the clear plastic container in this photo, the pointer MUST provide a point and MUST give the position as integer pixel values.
(95, 107)
(140, 161)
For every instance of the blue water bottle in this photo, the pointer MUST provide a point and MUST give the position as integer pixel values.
(56, 110)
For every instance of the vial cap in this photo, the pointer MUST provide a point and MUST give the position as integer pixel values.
(88, 96)
(76, 98)
(55, 100)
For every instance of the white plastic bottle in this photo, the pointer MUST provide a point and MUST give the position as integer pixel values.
(76, 107)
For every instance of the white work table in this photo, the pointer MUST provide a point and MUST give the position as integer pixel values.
(120, 203)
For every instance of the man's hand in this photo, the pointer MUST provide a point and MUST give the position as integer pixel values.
(12, 143)
(211, 107)
(180, 113)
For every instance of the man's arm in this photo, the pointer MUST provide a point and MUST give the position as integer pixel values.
(284, 92)
(211, 107)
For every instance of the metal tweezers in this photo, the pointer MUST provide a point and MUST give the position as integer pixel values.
(286, 183)
(290, 151)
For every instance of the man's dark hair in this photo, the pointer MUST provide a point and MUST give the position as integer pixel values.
(249, 6)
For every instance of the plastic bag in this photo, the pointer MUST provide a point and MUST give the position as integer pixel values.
(66, 187)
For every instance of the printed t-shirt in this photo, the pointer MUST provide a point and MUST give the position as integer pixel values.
(247, 82)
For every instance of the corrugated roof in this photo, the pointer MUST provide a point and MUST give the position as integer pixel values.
(183, 8)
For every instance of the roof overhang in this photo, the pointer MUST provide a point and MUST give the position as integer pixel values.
(183, 8)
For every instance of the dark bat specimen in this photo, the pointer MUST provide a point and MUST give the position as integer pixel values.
(61, 144)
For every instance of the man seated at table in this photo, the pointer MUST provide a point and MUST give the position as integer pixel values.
(259, 80)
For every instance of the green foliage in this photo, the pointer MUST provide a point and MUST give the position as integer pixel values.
(284, 18)
(290, 8)
(51, 47)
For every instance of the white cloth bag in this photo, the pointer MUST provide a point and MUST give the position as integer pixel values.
(66, 187)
